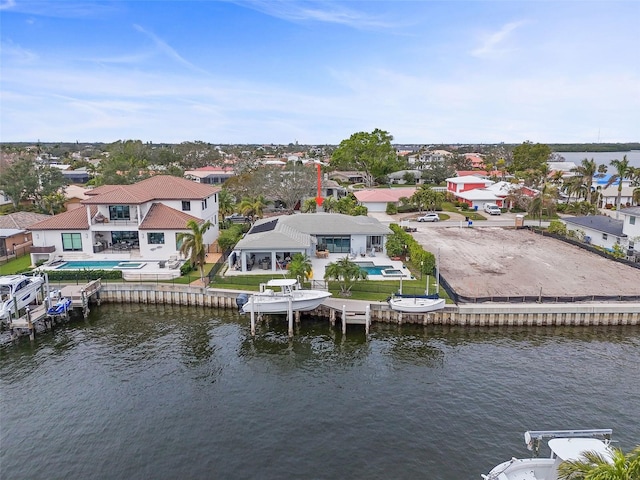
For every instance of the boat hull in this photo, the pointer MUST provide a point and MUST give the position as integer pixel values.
(22, 296)
(416, 305)
(301, 301)
(518, 468)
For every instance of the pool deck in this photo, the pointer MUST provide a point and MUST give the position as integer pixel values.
(151, 270)
(319, 264)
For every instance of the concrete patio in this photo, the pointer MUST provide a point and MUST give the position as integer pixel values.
(319, 264)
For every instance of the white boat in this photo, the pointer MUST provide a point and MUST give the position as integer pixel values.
(416, 303)
(269, 300)
(564, 445)
(17, 291)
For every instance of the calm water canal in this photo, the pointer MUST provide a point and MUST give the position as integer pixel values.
(168, 392)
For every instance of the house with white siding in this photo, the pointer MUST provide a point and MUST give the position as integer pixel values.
(600, 230)
(270, 241)
(140, 221)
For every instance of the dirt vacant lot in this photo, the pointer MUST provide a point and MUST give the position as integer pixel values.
(486, 261)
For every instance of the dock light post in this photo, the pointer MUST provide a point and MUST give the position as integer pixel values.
(421, 265)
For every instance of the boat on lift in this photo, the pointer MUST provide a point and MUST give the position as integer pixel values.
(17, 292)
(565, 445)
(416, 303)
(268, 300)
(60, 307)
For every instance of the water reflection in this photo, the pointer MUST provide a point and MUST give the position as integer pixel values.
(194, 395)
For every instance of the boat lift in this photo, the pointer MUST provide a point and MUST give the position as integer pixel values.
(532, 438)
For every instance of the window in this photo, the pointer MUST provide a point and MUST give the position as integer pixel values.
(204, 204)
(632, 220)
(71, 242)
(186, 205)
(119, 212)
(155, 238)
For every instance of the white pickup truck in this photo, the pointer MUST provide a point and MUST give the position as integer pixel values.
(492, 209)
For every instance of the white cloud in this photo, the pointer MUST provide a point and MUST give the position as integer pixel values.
(493, 44)
(319, 11)
(59, 9)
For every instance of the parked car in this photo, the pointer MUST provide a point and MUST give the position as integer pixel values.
(492, 209)
(237, 218)
(429, 217)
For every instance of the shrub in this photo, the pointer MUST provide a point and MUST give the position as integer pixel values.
(186, 268)
(84, 275)
(392, 209)
(557, 227)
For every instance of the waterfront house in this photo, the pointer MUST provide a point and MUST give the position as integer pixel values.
(272, 240)
(600, 230)
(139, 221)
(631, 228)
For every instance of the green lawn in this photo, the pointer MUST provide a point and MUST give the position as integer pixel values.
(16, 265)
(472, 214)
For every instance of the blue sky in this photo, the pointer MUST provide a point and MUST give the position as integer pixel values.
(270, 71)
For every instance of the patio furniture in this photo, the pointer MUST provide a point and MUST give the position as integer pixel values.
(173, 262)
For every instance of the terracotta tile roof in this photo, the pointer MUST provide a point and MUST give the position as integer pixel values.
(161, 217)
(158, 187)
(21, 220)
(71, 220)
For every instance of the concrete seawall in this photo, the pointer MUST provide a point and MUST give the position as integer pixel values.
(486, 314)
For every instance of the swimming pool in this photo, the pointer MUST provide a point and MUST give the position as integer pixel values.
(373, 269)
(100, 265)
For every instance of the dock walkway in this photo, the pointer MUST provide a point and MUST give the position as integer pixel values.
(37, 318)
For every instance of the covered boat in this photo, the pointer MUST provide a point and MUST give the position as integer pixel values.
(564, 445)
(269, 300)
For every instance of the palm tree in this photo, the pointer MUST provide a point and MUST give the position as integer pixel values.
(192, 244)
(226, 203)
(593, 466)
(309, 206)
(623, 170)
(586, 171)
(543, 201)
(300, 266)
(346, 272)
(425, 196)
(253, 206)
(329, 204)
(634, 175)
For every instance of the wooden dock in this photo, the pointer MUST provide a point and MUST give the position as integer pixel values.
(35, 317)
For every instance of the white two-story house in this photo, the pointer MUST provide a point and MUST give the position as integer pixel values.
(140, 221)
(631, 228)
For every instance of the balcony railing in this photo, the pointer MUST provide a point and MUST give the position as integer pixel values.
(49, 249)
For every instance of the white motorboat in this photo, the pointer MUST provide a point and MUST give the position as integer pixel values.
(564, 445)
(416, 303)
(16, 292)
(269, 300)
